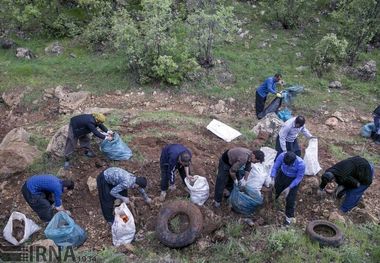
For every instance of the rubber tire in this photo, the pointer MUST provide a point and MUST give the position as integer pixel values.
(334, 241)
(170, 210)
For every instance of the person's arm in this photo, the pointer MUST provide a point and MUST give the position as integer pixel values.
(306, 132)
(95, 131)
(277, 165)
(347, 181)
(247, 170)
(282, 135)
(171, 170)
(300, 174)
(58, 198)
(271, 86)
(116, 190)
(102, 127)
(143, 193)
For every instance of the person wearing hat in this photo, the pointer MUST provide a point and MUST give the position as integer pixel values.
(287, 173)
(113, 183)
(38, 192)
(173, 157)
(79, 128)
(353, 176)
(287, 137)
(232, 164)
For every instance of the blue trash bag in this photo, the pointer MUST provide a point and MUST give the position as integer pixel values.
(116, 149)
(245, 202)
(367, 130)
(64, 231)
(284, 114)
(290, 93)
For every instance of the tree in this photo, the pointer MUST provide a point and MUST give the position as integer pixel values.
(358, 21)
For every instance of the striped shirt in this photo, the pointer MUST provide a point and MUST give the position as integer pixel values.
(289, 132)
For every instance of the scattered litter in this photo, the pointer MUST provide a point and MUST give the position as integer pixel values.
(222, 130)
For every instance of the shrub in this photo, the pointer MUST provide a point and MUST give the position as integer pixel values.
(327, 52)
(281, 239)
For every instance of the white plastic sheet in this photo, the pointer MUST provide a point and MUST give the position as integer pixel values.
(123, 232)
(199, 189)
(223, 130)
(29, 228)
(312, 166)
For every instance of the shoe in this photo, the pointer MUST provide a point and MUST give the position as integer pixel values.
(248, 221)
(66, 165)
(216, 204)
(289, 220)
(162, 196)
(90, 154)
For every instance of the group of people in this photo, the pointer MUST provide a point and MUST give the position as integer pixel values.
(353, 175)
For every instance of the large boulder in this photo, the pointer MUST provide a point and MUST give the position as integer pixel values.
(13, 97)
(367, 71)
(269, 124)
(24, 53)
(69, 101)
(57, 143)
(16, 154)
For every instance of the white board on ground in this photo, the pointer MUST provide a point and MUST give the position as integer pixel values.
(223, 130)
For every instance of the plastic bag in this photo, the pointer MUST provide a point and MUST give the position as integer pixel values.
(272, 107)
(29, 227)
(199, 189)
(367, 130)
(123, 227)
(312, 166)
(64, 231)
(290, 93)
(116, 149)
(260, 172)
(284, 114)
(245, 202)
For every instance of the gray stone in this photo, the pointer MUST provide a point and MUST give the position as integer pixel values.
(57, 143)
(335, 85)
(7, 43)
(91, 183)
(269, 124)
(13, 97)
(54, 49)
(24, 53)
(332, 122)
(69, 101)
(367, 71)
(335, 216)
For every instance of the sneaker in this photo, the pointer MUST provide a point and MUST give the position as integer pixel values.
(162, 196)
(66, 165)
(248, 221)
(90, 154)
(289, 220)
(216, 204)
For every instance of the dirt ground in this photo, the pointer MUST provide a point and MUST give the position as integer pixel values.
(206, 149)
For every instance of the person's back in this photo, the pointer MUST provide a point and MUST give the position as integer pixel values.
(38, 184)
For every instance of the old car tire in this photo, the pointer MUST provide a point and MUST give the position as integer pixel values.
(335, 240)
(169, 211)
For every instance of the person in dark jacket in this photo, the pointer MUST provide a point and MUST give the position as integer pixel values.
(173, 157)
(38, 192)
(268, 86)
(376, 121)
(234, 164)
(79, 128)
(353, 176)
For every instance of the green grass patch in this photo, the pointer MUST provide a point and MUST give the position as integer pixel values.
(172, 119)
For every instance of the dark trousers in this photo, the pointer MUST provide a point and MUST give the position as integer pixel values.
(223, 180)
(259, 104)
(41, 203)
(281, 183)
(165, 175)
(290, 146)
(105, 198)
(72, 141)
(376, 134)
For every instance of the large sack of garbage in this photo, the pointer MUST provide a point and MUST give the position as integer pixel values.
(246, 201)
(312, 166)
(116, 149)
(199, 189)
(64, 231)
(273, 106)
(123, 227)
(19, 228)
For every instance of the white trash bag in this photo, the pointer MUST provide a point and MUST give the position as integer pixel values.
(25, 224)
(312, 166)
(123, 227)
(199, 189)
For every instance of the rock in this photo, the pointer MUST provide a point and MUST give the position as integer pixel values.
(118, 92)
(231, 100)
(54, 49)
(46, 243)
(219, 236)
(269, 124)
(13, 97)
(298, 54)
(7, 43)
(200, 109)
(335, 216)
(69, 101)
(367, 71)
(91, 183)
(220, 106)
(24, 53)
(57, 143)
(203, 244)
(332, 122)
(16, 154)
(338, 115)
(301, 68)
(335, 85)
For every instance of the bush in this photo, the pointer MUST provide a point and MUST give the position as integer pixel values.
(327, 52)
(281, 239)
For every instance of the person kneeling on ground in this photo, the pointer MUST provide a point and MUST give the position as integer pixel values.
(287, 173)
(113, 183)
(232, 163)
(79, 129)
(353, 176)
(38, 191)
(173, 157)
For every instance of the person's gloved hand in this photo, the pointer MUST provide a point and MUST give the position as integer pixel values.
(109, 137)
(278, 95)
(286, 191)
(125, 200)
(172, 187)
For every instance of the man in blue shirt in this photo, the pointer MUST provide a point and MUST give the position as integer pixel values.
(287, 173)
(79, 128)
(173, 157)
(113, 183)
(268, 86)
(38, 191)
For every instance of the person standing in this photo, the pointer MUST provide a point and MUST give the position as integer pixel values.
(268, 86)
(287, 173)
(79, 129)
(173, 157)
(113, 183)
(376, 121)
(39, 190)
(353, 176)
(234, 164)
(287, 137)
